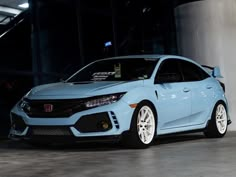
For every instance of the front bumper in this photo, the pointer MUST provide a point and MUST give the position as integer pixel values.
(97, 123)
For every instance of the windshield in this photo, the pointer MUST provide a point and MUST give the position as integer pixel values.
(116, 70)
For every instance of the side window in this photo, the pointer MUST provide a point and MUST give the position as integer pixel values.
(192, 72)
(168, 72)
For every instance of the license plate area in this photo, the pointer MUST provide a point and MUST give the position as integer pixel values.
(51, 131)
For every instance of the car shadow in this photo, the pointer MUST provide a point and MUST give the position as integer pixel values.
(101, 146)
(168, 139)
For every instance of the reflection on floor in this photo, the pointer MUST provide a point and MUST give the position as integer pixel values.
(189, 155)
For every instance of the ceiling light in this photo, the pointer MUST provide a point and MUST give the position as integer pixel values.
(107, 44)
(9, 10)
(24, 5)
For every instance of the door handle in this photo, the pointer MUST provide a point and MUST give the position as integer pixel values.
(156, 94)
(186, 90)
(209, 87)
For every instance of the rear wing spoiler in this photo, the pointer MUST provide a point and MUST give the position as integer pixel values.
(213, 71)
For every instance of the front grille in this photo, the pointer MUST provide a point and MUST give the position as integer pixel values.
(58, 108)
(50, 131)
(17, 122)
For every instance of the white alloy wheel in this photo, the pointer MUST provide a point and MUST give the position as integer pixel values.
(146, 124)
(221, 119)
(218, 124)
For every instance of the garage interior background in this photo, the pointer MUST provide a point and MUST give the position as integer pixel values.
(52, 39)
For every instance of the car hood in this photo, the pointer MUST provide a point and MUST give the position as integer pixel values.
(81, 90)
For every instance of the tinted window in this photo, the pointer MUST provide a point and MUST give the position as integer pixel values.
(116, 70)
(192, 72)
(169, 71)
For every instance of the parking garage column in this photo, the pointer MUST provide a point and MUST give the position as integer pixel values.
(206, 32)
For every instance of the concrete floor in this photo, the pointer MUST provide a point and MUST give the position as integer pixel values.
(182, 156)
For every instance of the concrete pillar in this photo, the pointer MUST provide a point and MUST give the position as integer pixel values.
(206, 32)
(54, 39)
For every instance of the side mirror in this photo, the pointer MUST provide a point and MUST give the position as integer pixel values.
(168, 78)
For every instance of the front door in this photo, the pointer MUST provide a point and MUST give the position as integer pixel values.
(174, 96)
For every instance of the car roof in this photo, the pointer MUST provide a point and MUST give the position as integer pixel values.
(157, 56)
(136, 56)
(153, 56)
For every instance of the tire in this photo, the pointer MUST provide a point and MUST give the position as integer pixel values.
(143, 127)
(217, 126)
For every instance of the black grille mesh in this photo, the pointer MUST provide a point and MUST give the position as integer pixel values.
(61, 108)
(50, 131)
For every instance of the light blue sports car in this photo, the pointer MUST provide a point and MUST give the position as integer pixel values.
(133, 99)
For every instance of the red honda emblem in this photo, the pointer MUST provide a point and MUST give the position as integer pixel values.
(48, 107)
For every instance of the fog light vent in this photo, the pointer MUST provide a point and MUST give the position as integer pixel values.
(115, 120)
(99, 122)
(17, 122)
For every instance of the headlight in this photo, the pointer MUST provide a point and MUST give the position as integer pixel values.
(23, 104)
(103, 100)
